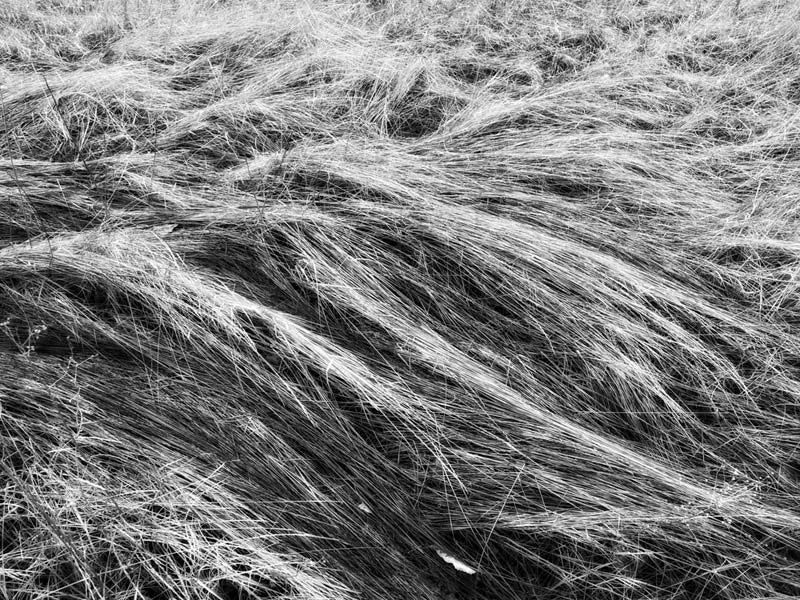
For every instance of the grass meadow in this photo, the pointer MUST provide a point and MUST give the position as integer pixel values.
(424, 300)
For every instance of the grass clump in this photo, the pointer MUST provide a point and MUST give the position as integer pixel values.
(399, 300)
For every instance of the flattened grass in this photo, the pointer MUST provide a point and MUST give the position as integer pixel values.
(398, 301)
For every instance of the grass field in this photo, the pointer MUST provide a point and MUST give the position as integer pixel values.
(400, 300)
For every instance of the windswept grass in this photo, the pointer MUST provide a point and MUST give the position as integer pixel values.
(399, 300)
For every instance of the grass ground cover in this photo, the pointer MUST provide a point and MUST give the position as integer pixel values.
(429, 300)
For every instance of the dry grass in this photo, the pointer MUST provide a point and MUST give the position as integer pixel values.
(399, 300)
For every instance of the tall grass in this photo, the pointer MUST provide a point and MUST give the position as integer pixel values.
(399, 300)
